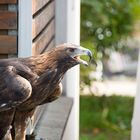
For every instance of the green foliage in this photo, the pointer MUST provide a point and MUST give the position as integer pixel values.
(108, 22)
(111, 116)
(105, 135)
(104, 26)
(135, 5)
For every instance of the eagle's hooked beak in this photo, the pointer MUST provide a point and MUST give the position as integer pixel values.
(82, 51)
(87, 52)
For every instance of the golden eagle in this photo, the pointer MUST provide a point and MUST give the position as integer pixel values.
(26, 83)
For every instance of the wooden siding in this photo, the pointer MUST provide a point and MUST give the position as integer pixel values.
(43, 25)
(8, 20)
(45, 16)
(44, 39)
(50, 45)
(8, 44)
(8, 1)
(8, 28)
(38, 4)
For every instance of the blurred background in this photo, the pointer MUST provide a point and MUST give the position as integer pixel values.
(111, 29)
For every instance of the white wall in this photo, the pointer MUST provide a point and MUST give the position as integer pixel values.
(68, 30)
(135, 133)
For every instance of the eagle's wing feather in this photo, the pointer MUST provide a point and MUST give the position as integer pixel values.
(55, 95)
(14, 89)
(41, 88)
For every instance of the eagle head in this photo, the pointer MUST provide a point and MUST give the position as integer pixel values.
(62, 57)
(69, 54)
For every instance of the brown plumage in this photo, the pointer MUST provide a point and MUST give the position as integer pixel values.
(26, 83)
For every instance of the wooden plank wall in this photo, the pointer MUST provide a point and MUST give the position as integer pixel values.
(43, 25)
(8, 28)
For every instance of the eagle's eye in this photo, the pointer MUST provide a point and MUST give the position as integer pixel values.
(71, 49)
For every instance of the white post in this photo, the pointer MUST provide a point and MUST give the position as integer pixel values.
(68, 30)
(25, 28)
(135, 133)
